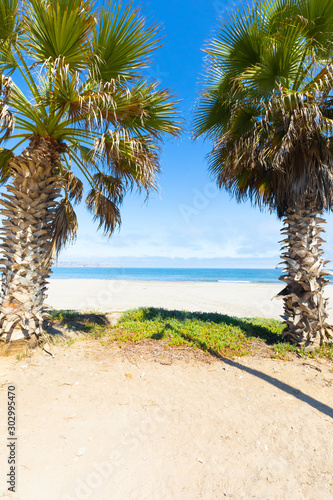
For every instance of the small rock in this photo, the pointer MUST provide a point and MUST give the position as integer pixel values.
(165, 361)
(201, 460)
(142, 374)
(77, 383)
(80, 452)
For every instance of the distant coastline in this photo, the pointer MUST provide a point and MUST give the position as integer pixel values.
(215, 275)
(201, 275)
(83, 264)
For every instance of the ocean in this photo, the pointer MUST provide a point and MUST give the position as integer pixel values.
(167, 274)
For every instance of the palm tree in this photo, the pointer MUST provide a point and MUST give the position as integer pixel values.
(86, 108)
(268, 107)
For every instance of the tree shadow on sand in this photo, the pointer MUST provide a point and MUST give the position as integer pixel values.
(251, 329)
(76, 322)
(80, 322)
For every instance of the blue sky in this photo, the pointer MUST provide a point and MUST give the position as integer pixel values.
(189, 223)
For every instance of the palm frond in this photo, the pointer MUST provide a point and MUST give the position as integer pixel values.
(131, 158)
(8, 20)
(73, 186)
(64, 227)
(87, 100)
(123, 43)
(110, 186)
(6, 117)
(5, 157)
(267, 105)
(104, 210)
(60, 29)
(319, 28)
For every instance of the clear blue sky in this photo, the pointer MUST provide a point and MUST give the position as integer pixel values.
(189, 223)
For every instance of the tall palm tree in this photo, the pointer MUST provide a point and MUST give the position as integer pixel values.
(268, 107)
(86, 108)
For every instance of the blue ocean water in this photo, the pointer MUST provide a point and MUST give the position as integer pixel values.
(167, 274)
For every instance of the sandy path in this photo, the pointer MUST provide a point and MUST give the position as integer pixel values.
(94, 424)
(243, 300)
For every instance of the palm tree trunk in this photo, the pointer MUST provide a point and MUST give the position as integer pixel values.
(26, 243)
(304, 306)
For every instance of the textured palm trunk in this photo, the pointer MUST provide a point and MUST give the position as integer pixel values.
(304, 305)
(26, 244)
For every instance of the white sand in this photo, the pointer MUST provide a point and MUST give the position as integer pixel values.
(95, 423)
(242, 300)
(143, 423)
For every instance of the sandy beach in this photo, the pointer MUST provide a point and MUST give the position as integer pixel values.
(235, 299)
(151, 422)
(111, 424)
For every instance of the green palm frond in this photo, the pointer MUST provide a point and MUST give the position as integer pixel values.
(57, 29)
(87, 98)
(8, 63)
(237, 44)
(8, 20)
(5, 157)
(213, 113)
(267, 104)
(156, 113)
(9, 30)
(124, 42)
(280, 63)
(319, 29)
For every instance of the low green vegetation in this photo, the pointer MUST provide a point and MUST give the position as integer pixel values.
(216, 334)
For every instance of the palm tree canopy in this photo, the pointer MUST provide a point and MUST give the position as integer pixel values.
(268, 106)
(88, 99)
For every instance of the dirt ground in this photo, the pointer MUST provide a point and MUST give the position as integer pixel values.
(148, 422)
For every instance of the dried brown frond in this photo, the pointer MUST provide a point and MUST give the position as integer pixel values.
(64, 227)
(286, 157)
(104, 210)
(73, 186)
(7, 121)
(133, 159)
(111, 187)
